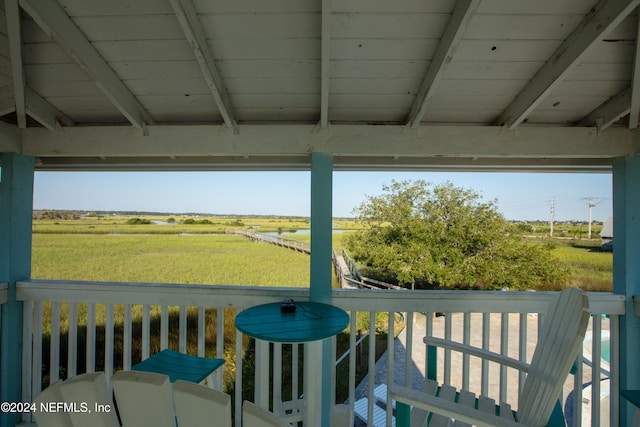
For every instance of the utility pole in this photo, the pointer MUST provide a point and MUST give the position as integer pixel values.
(551, 219)
(591, 203)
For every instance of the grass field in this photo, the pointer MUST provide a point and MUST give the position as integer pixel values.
(200, 259)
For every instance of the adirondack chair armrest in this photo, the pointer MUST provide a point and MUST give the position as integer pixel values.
(477, 352)
(448, 409)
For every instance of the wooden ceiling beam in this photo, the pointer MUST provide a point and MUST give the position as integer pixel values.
(195, 35)
(392, 141)
(53, 20)
(604, 17)
(462, 14)
(325, 50)
(14, 35)
(634, 108)
(610, 111)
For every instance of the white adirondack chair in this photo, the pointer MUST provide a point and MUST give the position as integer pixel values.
(255, 416)
(89, 389)
(144, 399)
(559, 343)
(197, 405)
(50, 419)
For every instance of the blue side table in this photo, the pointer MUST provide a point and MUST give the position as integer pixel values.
(179, 366)
(311, 323)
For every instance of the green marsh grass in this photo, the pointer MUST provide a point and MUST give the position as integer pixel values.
(199, 259)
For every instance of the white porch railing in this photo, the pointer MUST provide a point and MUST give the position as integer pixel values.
(121, 315)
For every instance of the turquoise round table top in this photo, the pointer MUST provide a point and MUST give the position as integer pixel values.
(310, 322)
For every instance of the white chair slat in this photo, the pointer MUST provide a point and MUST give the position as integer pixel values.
(418, 415)
(143, 399)
(506, 412)
(447, 393)
(197, 405)
(467, 399)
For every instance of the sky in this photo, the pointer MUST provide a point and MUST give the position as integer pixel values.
(520, 196)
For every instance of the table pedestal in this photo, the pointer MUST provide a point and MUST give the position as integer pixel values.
(311, 406)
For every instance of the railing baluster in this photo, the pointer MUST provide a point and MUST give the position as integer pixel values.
(596, 341)
(371, 371)
(182, 330)
(238, 382)
(408, 363)
(72, 340)
(91, 337)
(466, 359)
(146, 331)
(614, 374)
(219, 344)
(164, 327)
(486, 339)
(126, 338)
(447, 352)
(504, 349)
(352, 360)
(523, 342)
(36, 385)
(108, 341)
(54, 343)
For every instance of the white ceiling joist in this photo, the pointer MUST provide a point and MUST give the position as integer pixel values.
(36, 106)
(392, 141)
(610, 112)
(605, 16)
(634, 109)
(45, 113)
(50, 16)
(14, 34)
(190, 24)
(325, 50)
(462, 14)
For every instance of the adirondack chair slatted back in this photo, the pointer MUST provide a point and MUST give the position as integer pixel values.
(559, 343)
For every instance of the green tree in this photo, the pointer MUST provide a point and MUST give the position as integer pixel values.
(420, 234)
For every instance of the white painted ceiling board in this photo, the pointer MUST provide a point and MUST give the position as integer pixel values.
(380, 49)
(130, 27)
(256, 6)
(539, 7)
(397, 6)
(388, 26)
(276, 25)
(114, 7)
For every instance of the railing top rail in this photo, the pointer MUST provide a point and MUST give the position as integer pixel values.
(359, 299)
(3, 292)
(155, 293)
(469, 301)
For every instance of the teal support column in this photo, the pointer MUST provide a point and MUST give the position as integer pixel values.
(321, 262)
(626, 271)
(16, 205)
(321, 226)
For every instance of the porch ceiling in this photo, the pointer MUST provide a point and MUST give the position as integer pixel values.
(252, 84)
